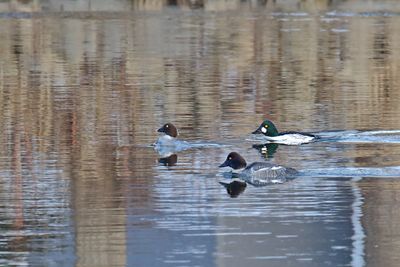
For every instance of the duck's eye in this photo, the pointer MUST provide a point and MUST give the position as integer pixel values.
(166, 126)
(229, 158)
(264, 129)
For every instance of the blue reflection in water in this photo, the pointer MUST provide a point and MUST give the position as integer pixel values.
(306, 221)
(358, 252)
(36, 216)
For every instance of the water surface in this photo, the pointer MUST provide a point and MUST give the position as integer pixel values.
(84, 87)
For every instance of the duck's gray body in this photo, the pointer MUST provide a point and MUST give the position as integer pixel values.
(263, 173)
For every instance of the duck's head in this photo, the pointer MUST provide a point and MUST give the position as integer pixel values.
(267, 128)
(169, 129)
(235, 161)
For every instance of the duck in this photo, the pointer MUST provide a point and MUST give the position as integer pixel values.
(270, 132)
(168, 143)
(170, 134)
(258, 173)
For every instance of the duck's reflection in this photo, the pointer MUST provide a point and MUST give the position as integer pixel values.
(166, 155)
(267, 150)
(170, 160)
(235, 187)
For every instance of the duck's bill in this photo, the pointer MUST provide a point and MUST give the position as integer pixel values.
(258, 131)
(161, 130)
(225, 164)
(224, 183)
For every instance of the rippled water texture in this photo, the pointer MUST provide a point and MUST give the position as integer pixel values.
(84, 86)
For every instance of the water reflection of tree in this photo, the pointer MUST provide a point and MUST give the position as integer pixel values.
(81, 92)
(87, 5)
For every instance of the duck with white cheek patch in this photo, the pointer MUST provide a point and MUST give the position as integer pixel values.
(258, 173)
(271, 134)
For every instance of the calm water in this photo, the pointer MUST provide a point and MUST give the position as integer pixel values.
(84, 86)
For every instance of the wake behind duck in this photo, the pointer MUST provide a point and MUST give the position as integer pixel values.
(267, 131)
